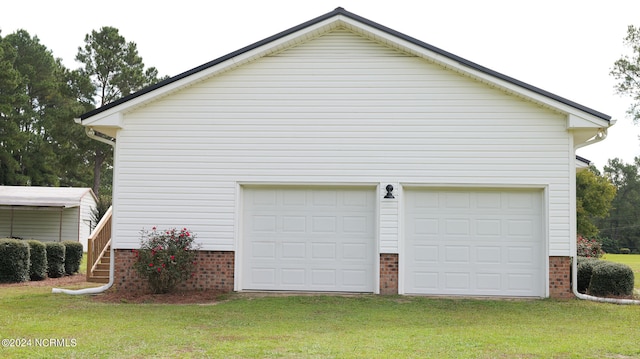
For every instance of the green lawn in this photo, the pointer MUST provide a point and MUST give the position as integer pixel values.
(316, 327)
(632, 260)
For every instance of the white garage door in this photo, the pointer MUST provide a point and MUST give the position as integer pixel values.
(474, 242)
(303, 239)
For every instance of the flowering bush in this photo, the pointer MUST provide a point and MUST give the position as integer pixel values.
(589, 248)
(165, 258)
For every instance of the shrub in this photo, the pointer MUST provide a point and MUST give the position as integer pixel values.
(625, 251)
(73, 256)
(585, 271)
(14, 261)
(38, 259)
(55, 259)
(611, 279)
(589, 248)
(165, 258)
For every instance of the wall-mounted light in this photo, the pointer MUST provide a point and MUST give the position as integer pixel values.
(389, 189)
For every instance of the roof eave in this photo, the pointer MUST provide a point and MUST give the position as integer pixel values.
(437, 55)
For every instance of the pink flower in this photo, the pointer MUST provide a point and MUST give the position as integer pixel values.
(150, 264)
(173, 258)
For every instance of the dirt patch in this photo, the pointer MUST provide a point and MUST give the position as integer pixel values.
(62, 282)
(204, 297)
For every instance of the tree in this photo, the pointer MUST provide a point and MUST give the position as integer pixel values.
(623, 224)
(115, 69)
(627, 71)
(594, 194)
(10, 96)
(34, 104)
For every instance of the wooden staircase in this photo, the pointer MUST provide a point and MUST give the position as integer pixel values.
(99, 251)
(101, 272)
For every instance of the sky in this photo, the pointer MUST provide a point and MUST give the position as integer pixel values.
(566, 47)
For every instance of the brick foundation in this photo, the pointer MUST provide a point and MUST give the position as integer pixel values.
(214, 271)
(388, 273)
(560, 278)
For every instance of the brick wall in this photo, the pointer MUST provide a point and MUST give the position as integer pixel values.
(560, 277)
(388, 273)
(214, 271)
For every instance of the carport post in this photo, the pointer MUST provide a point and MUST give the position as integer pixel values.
(11, 224)
(60, 226)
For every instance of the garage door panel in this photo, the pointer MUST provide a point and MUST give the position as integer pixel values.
(456, 254)
(487, 255)
(265, 250)
(424, 253)
(293, 250)
(313, 239)
(292, 277)
(294, 224)
(474, 242)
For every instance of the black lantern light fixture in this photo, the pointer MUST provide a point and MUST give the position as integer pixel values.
(389, 189)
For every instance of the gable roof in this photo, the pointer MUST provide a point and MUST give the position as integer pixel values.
(27, 196)
(337, 13)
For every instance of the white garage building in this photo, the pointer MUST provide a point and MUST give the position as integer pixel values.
(341, 155)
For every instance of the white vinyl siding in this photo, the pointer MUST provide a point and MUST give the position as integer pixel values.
(42, 223)
(337, 109)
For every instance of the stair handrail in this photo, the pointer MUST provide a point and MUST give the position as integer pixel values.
(98, 241)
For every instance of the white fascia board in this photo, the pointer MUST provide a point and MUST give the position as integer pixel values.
(577, 121)
(105, 119)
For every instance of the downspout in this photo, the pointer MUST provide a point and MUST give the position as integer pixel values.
(600, 136)
(95, 290)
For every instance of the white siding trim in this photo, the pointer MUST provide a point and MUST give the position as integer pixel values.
(573, 220)
(239, 238)
(238, 235)
(401, 219)
(389, 214)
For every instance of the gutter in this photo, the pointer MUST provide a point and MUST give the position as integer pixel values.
(601, 135)
(95, 290)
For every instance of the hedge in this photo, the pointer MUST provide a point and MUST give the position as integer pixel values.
(611, 279)
(55, 259)
(14, 261)
(585, 271)
(38, 259)
(74, 252)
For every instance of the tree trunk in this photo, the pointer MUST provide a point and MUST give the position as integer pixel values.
(97, 170)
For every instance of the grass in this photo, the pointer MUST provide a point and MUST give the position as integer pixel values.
(632, 260)
(317, 327)
(83, 264)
